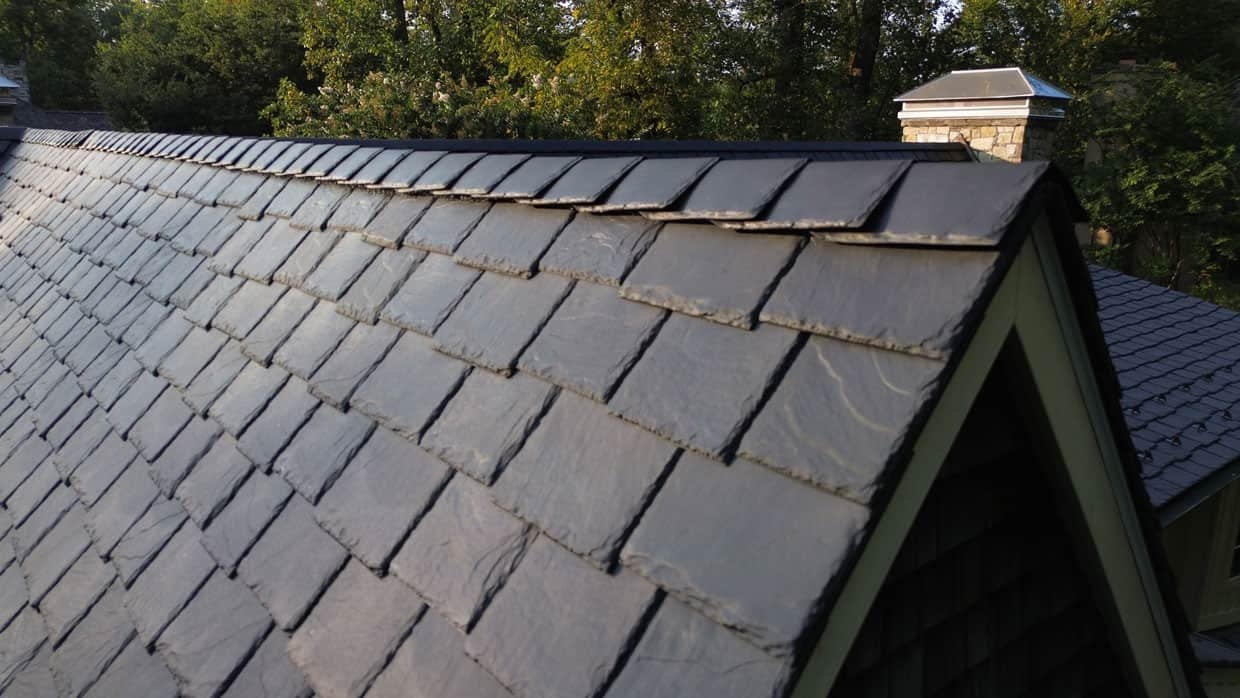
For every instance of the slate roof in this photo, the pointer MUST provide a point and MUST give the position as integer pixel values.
(984, 83)
(377, 420)
(1178, 366)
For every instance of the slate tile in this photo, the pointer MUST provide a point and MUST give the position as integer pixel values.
(87, 349)
(136, 320)
(532, 177)
(193, 354)
(238, 245)
(68, 425)
(734, 189)
(351, 362)
(218, 236)
(42, 386)
(74, 595)
(210, 639)
(524, 635)
(701, 270)
(211, 483)
(432, 663)
(341, 267)
(314, 212)
(81, 444)
(819, 295)
(49, 559)
(61, 399)
(654, 184)
(211, 382)
(146, 538)
(135, 402)
(484, 174)
(444, 171)
(192, 287)
(168, 583)
(161, 423)
(274, 428)
(674, 546)
(403, 169)
(21, 463)
(683, 653)
(319, 167)
(351, 164)
(316, 456)
(314, 340)
(408, 388)
(263, 341)
(269, 673)
(115, 381)
(33, 679)
(388, 227)
(306, 258)
(239, 191)
(121, 506)
(19, 643)
(92, 645)
(429, 294)
(101, 468)
(169, 277)
(246, 396)
(27, 497)
(511, 238)
(246, 308)
(588, 180)
(378, 283)
(162, 341)
(728, 370)
(13, 594)
(244, 518)
(862, 401)
(350, 633)
(266, 257)
(856, 189)
(357, 209)
(134, 672)
(291, 197)
(498, 318)
(291, 564)
(444, 225)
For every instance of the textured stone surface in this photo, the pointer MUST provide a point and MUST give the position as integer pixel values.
(246, 308)
(510, 238)
(407, 389)
(443, 226)
(358, 623)
(244, 518)
(357, 209)
(856, 187)
(728, 370)
(209, 485)
(655, 183)
(314, 459)
(378, 283)
(136, 400)
(352, 361)
(719, 558)
(19, 642)
(341, 267)
(379, 495)
(176, 461)
(270, 334)
(146, 537)
(315, 339)
(211, 382)
(168, 583)
(162, 422)
(186, 361)
(429, 294)
(34, 679)
(462, 552)
(432, 664)
(14, 595)
(122, 505)
(246, 397)
(274, 428)
(735, 189)
(524, 636)
(54, 554)
(102, 634)
(586, 181)
(134, 672)
(269, 673)
(388, 228)
(305, 258)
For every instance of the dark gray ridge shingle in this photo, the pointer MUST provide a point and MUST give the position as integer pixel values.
(211, 382)
(429, 294)
(215, 478)
(274, 428)
(101, 468)
(340, 268)
(49, 559)
(135, 673)
(93, 644)
(462, 552)
(499, 317)
(238, 245)
(578, 448)
(829, 194)
(378, 283)
(729, 370)
(305, 258)
(407, 169)
(269, 673)
(511, 238)
(654, 184)
(320, 451)
(351, 362)
(737, 589)
(819, 294)
(532, 177)
(244, 518)
(120, 507)
(350, 164)
(378, 166)
(357, 624)
(247, 307)
(291, 564)
(168, 583)
(146, 537)
(266, 257)
(306, 158)
(691, 269)
(74, 595)
(432, 663)
(210, 639)
(486, 422)
(357, 209)
(388, 227)
(380, 494)
(600, 249)
(246, 397)
(208, 303)
(185, 362)
(314, 340)
(443, 225)
(162, 422)
(486, 173)
(591, 341)
(586, 181)
(408, 388)
(260, 152)
(683, 653)
(314, 212)
(523, 638)
(443, 172)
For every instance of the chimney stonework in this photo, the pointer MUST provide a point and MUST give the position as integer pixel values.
(1003, 114)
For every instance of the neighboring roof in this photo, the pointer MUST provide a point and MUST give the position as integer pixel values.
(28, 115)
(986, 83)
(1178, 365)
(1214, 652)
(462, 423)
(7, 84)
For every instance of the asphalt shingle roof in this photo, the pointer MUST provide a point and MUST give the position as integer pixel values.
(412, 436)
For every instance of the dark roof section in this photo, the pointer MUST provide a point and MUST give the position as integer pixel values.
(384, 414)
(1178, 365)
(1218, 647)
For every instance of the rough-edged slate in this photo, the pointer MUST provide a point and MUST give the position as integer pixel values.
(75, 593)
(213, 480)
(510, 238)
(378, 165)
(830, 194)
(320, 450)
(213, 635)
(408, 387)
(185, 362)
(357, 209)
(324, 164)
(54, 554)
(340, 268)
(586, 181)
(215, 378)
(101, 635)
(388, 227)
(591, 340)
(291, 197)
(357, 624)
(351, 362)
(376, 285)
(733, 190)
(351, 164)
(314, 340)
(532, 177)
(238, 245)
(245, 516)
(443, 172)
(682, 653)
(819, 294)
(109, 387)
(380, 495)
(135, 402)
(432, 664)
(13, 595)
(34, 678)
(462, 552)
(195, 284)
(305, 258)
(208, 303)
(103, 466)
(269, 673)
(27, 497)
(146, 537)
(678, 542)
(429, 294)
(240, 189)
(168, 583)
(19, 642)
(486, 173)
(523, 637)
(21, 463)
(313, 213)
(280, 419)
(654, 184)
(704, 271)
(601, 249)
(729, 371)
(840, 414)
(291, 564)
(444, 225)
(162, 422)
(246, 397)
(68, 425)
(82, 444)
(135, 673)
(498, 317)
(162, 340)
(198, 229)
(261, 344)
(120, 507)
(265, 258)
(579, 449)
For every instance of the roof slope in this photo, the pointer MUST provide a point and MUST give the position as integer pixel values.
(357, 418)
(1179, 368)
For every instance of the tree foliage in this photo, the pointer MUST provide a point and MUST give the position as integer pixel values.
(56, 39)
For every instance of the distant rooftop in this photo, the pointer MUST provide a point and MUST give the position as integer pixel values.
(988, 83)
(7, 84)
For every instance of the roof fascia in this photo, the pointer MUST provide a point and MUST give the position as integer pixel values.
(1198, 494)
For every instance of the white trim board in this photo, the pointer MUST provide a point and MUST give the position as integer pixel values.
(1033, 305)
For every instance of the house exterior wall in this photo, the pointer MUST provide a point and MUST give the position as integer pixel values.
(986, 596)
(1006, 140)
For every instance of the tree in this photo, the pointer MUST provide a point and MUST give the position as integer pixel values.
(56, 39)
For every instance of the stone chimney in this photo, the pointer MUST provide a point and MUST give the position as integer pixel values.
(1003, 114)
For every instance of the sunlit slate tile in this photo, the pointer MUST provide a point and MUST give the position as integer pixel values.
(532, 177)
(247, 308)
(256, 205)
(120, 507)
(444, 171)
(92, 645)
(326, 162)
(601, 249)
(733, 190)
(728, 369)
(306, 258)
(377, 166)
(208, 303)
(239, 190)
(261, 151)
(676, 546)
(314, 212)
(445, 224)
(246, 396)
(314, 340)
(357, 209)
(341, 267)
(279, 156)
(270, 673)
(305, 158)
(351, 362)
(830, 194)
(262, 261)
(171, 467)
(267, 337)
(486, 173)
(212, 482)
(134, 672)
(587, 180)
(654, 184)
(389, 226)
(701, 270)
(351, 164)
(280, 419)
(432, 663)
(378, 283)
(318, 453)
(244, 518)
(291, 197)
(407, 168)
(219, 235)
(238, 246)
(409, 386)
(511, 238)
